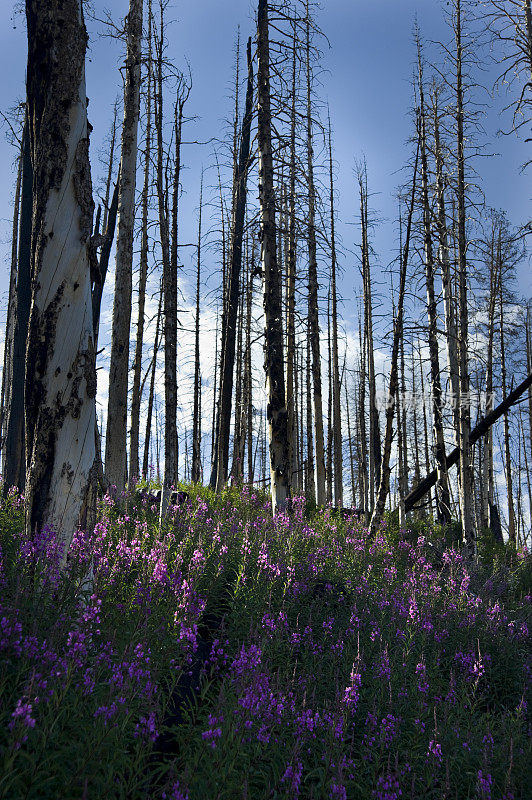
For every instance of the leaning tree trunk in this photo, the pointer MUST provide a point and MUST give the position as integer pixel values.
(273, 334)
(60, 381)
(14, 472)
(227, 356)
(116, 433)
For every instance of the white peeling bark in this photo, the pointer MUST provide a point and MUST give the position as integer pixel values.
(60, 359)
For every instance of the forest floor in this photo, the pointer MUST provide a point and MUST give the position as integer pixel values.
(233, 655)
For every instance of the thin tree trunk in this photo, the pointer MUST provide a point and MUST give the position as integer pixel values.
(151, 394)
(384, 485)
(14, 472)
(374, 428)
(196, 418)
(466, 472)
(507, 459)
(227, 357)
(363, 460)
(273, 344)
(136, 395)
(330, 443)
(310, 490)
(336, 389)
(116, 435)
(351, 455)
(488, 478)
(248, 365)
(442, 485)
(169, 287)
(291, 261)
(445, 267)
(314, 325)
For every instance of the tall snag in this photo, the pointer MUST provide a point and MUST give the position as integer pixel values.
(116, 434)
(196, 416)
(336, 388)
(14, 471)
(313, 308)
(227, 356)
(464, 412)
(136, 394)
(60, 379)
(273, 334)
(384, 485)
(442, 485)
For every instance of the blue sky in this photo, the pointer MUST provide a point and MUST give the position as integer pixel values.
(367, 83)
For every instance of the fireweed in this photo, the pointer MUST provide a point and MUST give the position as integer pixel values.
(336, 666)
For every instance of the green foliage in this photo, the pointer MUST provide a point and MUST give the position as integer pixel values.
(274, 657)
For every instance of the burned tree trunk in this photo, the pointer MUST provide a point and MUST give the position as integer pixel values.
(196, 417)
(60, 378)
(464, 414)
(136, 394)
(337, 412)
(116, 435)
(273, 334)
(313, 308)
(384, 485)
(151, 392)
(442, 485)
(14, 472)
(374, 455)
(227, 357)
(7, 371)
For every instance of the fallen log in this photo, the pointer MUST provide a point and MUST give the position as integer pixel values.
(479, 430)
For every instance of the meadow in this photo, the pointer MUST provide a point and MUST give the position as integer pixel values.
(229, 654)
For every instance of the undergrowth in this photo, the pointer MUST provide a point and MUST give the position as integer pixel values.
(274, 658)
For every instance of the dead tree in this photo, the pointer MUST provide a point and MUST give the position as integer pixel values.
(151, 394)
(60, 377)
(273, 334)
(14, 471)
(116, 433)
(195, 475)
(384, 486)
(227, 356)
(466, 468)
(478, 431)
(442, 485)
(136, 394)
(7, 373)
(313, 307)
(445, 266)
(374, 454)
(336, 388)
